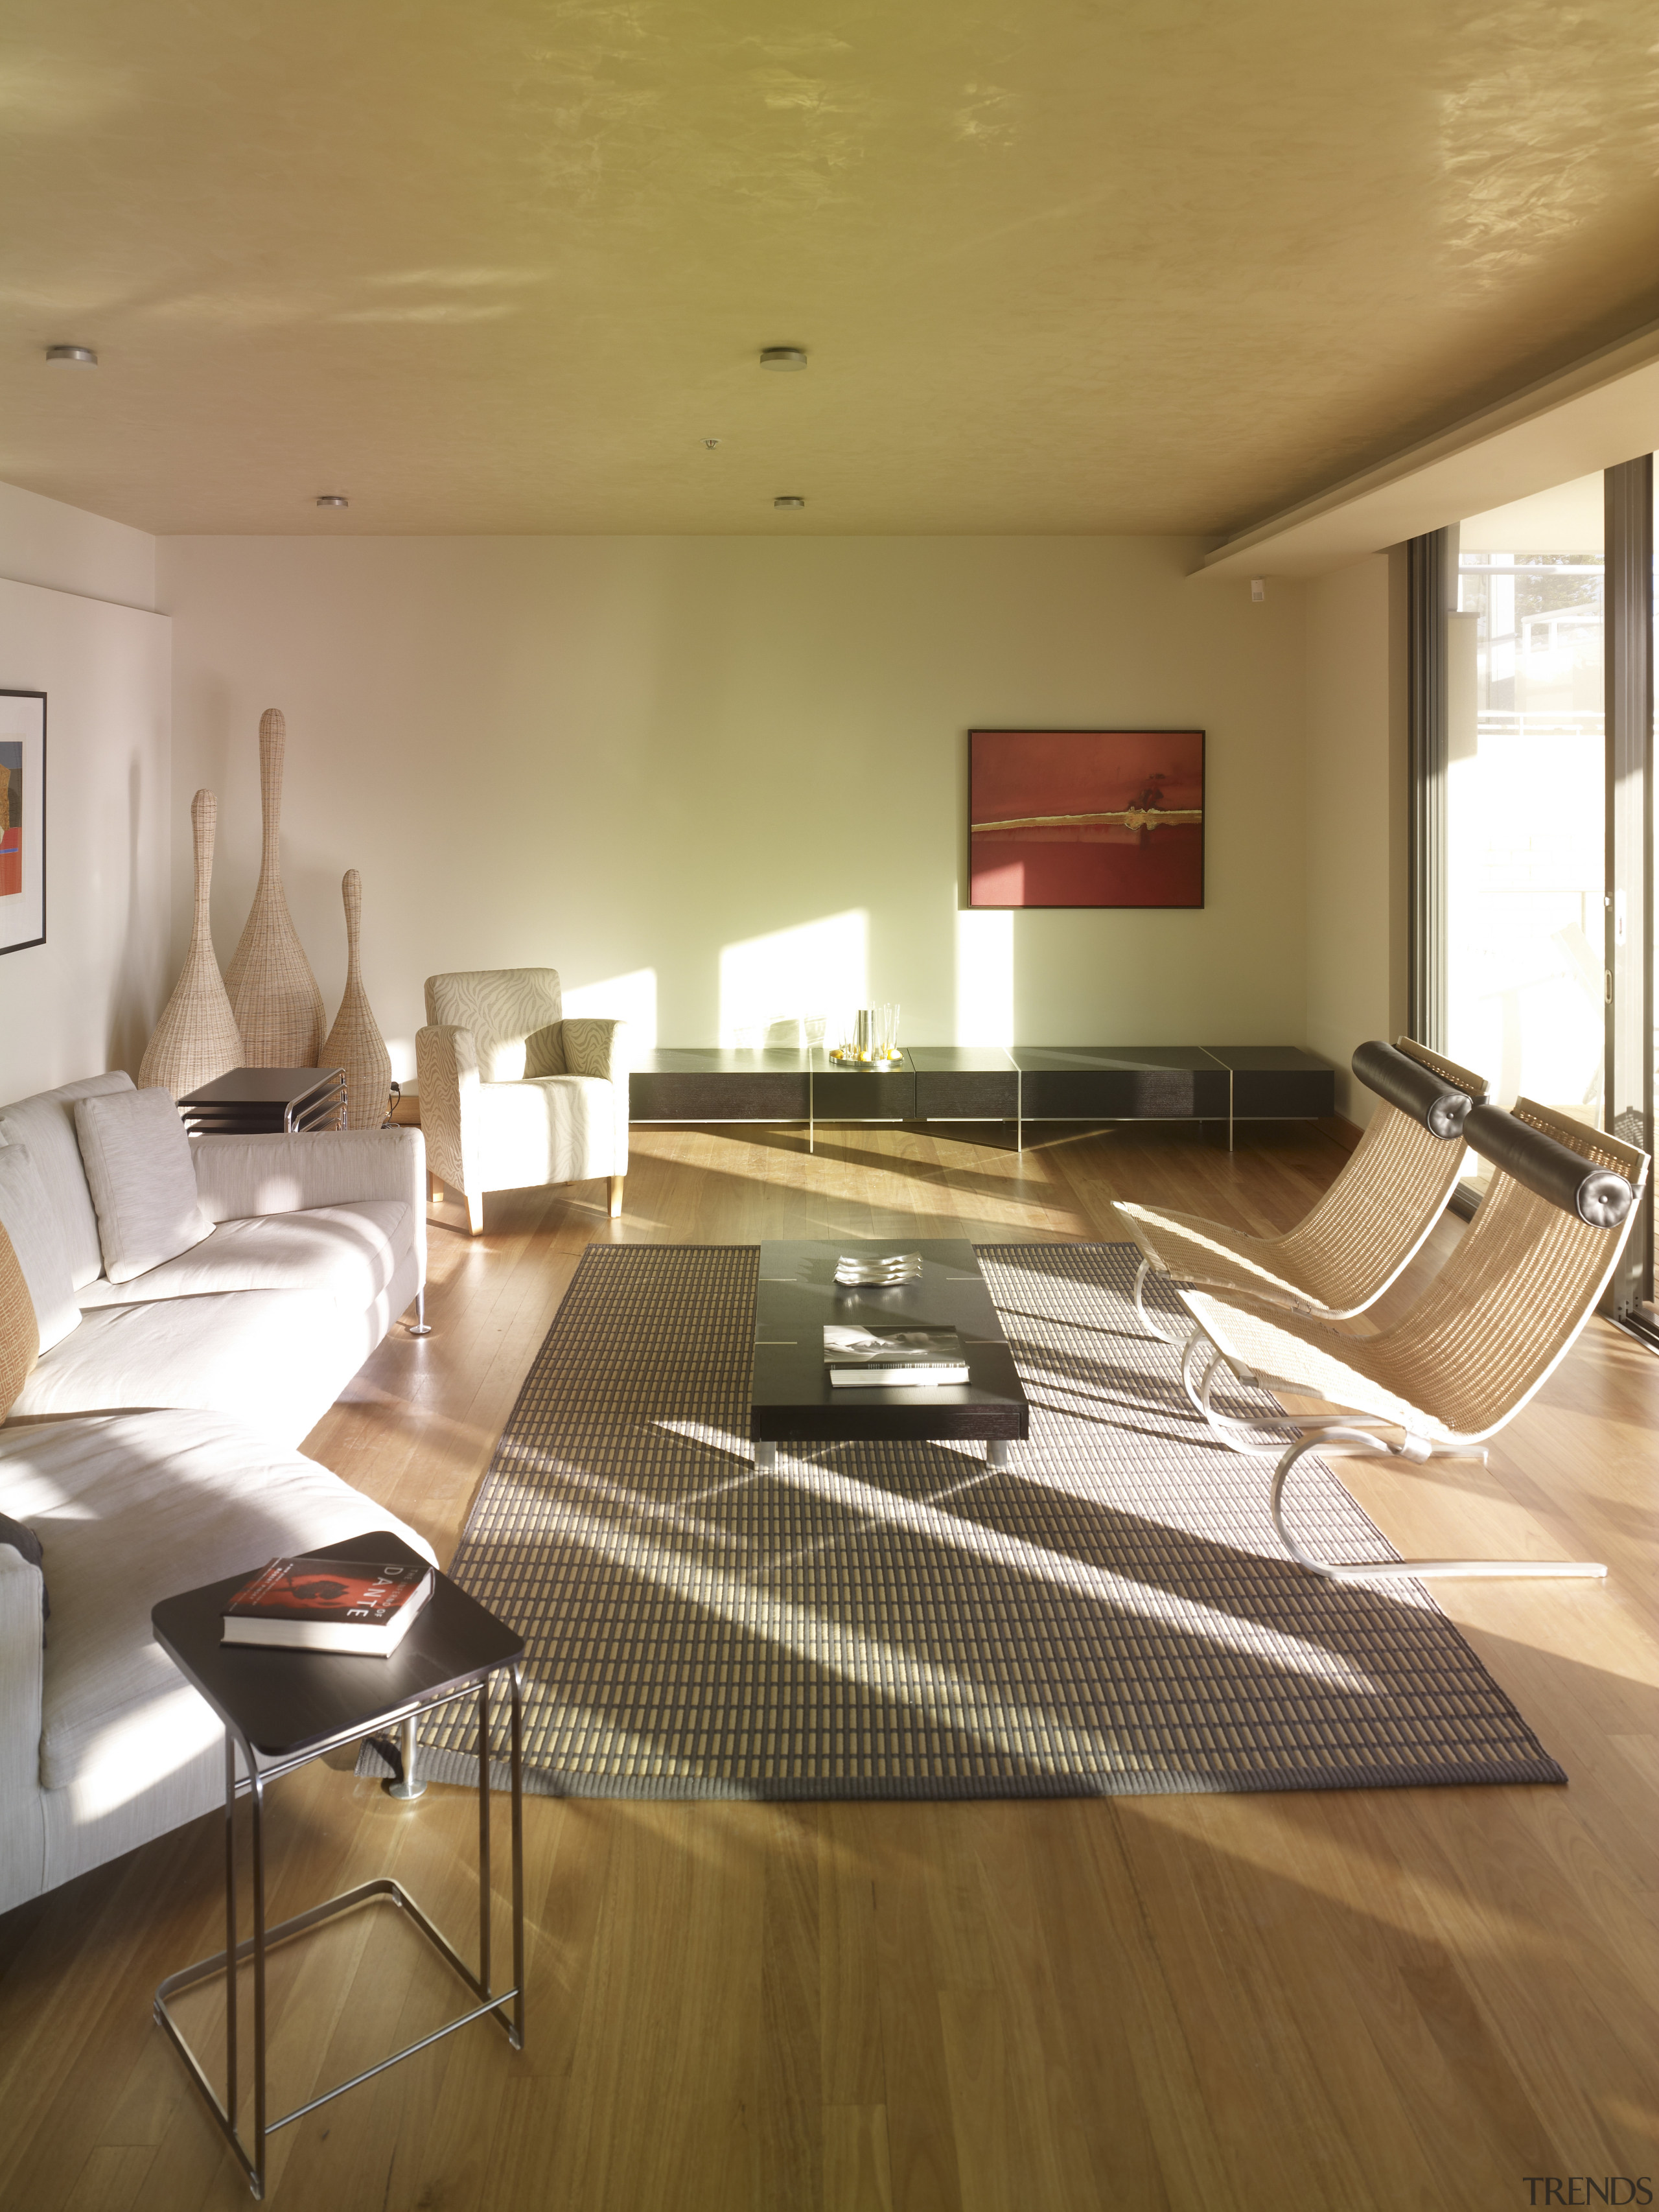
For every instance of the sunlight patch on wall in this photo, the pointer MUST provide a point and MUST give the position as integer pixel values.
(631, 998)
(985, 978)
(772, 987)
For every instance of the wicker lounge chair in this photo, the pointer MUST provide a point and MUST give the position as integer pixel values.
(1485, 1334)
(1342, 1257)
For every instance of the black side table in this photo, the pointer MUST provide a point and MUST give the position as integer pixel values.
(282, 1709)
(251, 1101)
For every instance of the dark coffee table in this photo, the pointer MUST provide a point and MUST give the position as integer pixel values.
(791, 1399)
(281, 1709)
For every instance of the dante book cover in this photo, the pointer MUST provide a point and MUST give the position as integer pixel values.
(339, 1590)
(845, 1346)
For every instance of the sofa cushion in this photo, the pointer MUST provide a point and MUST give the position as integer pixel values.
(131, 1509)
(45, 1124)
(275, 1359)
(31, 1223)
(142, 1178)
(20, 1332)
(559, 1128)
(28, 1547)
(500, 1007)
(346, 1253)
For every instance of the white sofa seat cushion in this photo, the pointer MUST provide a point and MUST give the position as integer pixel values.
(131, 1509)
(555, 1129)
(46, 1123)
(347, 1253)
(273, 1358)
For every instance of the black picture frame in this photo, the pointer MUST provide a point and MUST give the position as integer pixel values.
(1094, 820)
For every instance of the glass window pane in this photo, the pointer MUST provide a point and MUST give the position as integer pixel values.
(1525, 802)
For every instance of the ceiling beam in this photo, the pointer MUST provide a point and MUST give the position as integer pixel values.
(1601, 410)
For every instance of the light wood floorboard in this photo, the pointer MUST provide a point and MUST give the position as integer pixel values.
(1368, 2000)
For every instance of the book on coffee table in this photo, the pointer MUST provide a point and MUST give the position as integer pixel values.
(328, 1605)
(892, 1359)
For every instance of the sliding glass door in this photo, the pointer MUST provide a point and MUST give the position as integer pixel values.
(1532, 650)
(1525, 801)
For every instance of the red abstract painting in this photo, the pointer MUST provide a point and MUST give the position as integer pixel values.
(1086, 817)
(11, 818)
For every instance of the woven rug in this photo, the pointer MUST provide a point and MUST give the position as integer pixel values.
(1112, 1614)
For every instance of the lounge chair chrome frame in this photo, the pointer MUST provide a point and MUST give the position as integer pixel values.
(1483, 1339)
(1344, 1252)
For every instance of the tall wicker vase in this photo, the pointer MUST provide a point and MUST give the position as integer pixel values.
(273, 993)
(197, 1037)
(355, 1043)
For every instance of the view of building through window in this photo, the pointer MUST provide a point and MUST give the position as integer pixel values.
(1525, 801)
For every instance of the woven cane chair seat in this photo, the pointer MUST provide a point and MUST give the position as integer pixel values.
(1485, 1336)
(1342, 1255)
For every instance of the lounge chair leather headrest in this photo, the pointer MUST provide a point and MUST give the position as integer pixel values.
(1440, 1106)
(1600, 1196)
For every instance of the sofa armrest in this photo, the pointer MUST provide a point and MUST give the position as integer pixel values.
(446, 1074)
(596, 1047)
(593, 1047)
(22, 1674)
(240, 1176)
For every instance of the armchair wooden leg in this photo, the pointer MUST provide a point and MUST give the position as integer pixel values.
(434, 1190)
(617, 1182)
(474, 1212)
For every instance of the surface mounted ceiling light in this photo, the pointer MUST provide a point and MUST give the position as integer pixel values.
(788, 498)
(73, 356)
(332, 499)
(782, 357)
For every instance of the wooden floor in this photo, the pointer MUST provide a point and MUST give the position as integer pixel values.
(1384, 1999)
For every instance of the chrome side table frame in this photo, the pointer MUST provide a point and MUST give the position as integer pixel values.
(491, 2002)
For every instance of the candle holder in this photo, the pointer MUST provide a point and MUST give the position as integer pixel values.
(873, 1041)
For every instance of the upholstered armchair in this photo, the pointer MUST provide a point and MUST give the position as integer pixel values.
(512, 1094)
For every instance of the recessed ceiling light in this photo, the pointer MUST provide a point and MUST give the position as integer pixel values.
(788, 498)
(711, 443)
(782, 357)
(332, 499)
(73, 356)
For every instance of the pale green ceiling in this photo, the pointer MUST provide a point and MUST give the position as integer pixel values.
(1069, 267)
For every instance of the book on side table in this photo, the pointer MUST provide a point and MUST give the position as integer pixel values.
(328, 1605)
(893, 1359)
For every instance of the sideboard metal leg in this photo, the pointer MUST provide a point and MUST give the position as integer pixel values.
(999, 1452)
(766, 1456)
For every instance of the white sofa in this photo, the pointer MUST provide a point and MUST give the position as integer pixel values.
(152, 1450)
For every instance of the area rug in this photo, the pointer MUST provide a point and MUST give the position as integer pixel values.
(1112, 1614)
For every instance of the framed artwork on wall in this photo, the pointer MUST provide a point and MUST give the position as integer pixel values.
(1086, 817)
(22, 819)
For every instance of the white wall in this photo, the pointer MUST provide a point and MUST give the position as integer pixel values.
(723, 777)
(67, 549)
(1357, 820)
(75, 627)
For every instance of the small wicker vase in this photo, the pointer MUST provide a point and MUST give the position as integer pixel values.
(197, 1037)
(355, 1043)
(273, 993)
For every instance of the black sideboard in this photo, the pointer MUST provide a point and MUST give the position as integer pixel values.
(1223, 1083)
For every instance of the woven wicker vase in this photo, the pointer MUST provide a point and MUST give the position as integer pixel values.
(355, 1043)
(273, 993)
(197, 1037)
